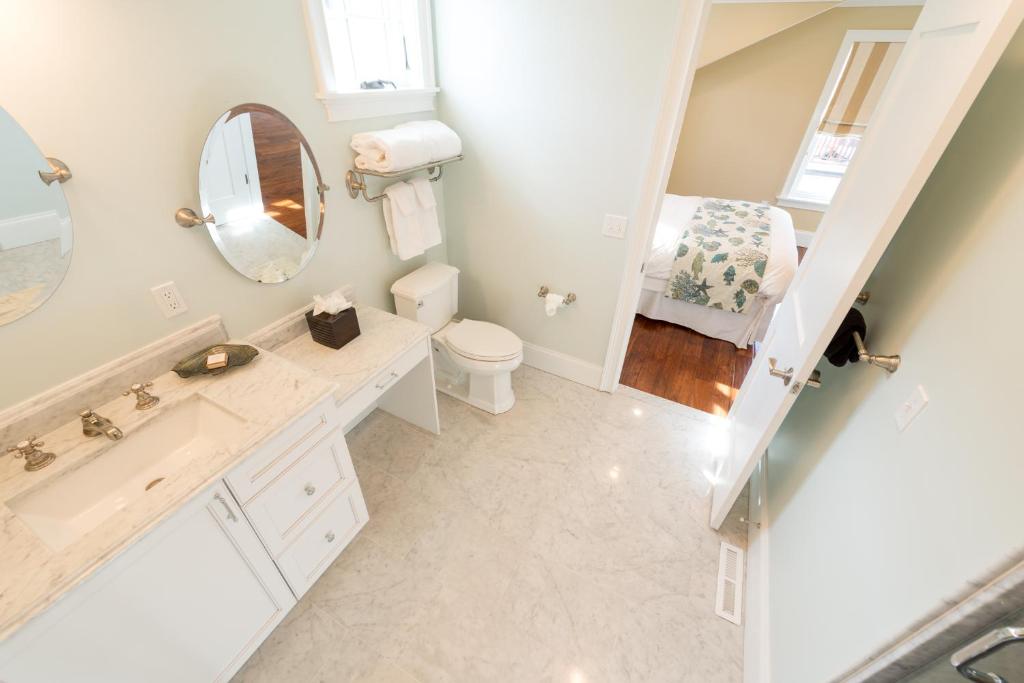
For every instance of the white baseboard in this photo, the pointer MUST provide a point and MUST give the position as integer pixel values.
(804, 238)
(756, 655)
(563, 365)
(20, 231)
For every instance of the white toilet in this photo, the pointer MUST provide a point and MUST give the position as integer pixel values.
(473, 360)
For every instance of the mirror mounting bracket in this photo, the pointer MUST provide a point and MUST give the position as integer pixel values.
(187, 218)
(61, 173)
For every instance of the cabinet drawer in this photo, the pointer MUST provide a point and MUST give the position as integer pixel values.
(280, 451)
(375, 387)
(278, 511)
(323, 539)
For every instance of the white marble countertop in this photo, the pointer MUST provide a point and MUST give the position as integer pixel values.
(382, 337)
(267, 394)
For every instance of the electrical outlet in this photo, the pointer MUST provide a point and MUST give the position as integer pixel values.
(911, 408)
(615, 226)
(168, 299)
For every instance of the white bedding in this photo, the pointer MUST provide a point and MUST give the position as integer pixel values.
(741, 329)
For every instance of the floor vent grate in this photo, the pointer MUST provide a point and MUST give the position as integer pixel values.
(729, 597)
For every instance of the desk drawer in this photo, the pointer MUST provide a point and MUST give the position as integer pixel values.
(275, 456)
(374, 388)
(278, 511)
(323, 539)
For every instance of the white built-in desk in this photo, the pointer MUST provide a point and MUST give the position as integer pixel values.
(388, 366)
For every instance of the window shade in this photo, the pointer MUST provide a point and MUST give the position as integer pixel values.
(864, 77)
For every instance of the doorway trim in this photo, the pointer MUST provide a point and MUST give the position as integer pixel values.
(679, 80)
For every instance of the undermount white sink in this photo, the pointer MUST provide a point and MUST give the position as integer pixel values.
(65, 509)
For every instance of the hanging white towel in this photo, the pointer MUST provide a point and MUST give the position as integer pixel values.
(430, 230)
(402, 218)
(407, 145)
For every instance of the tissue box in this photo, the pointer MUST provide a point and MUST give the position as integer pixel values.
(333, 330)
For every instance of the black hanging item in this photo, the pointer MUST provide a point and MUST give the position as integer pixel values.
(843, 349)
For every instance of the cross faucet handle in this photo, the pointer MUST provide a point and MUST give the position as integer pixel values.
(143, 399)
(28, 449)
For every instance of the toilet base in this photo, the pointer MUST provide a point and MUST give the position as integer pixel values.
(492, 393)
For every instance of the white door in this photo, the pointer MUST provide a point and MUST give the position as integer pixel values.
(189, 602)
(228, 173)
(945, 62)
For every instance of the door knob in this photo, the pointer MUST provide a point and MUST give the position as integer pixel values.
(785, 375)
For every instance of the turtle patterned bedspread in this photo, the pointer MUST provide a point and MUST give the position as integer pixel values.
(721, 255)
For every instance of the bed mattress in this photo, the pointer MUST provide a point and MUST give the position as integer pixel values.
(741, 329)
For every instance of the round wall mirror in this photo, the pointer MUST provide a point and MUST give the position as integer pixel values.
(261, 193)
(35, 224)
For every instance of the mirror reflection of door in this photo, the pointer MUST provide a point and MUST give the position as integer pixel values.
(231, 176)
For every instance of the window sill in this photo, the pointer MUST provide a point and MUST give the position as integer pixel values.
(806, 204)
(367, 104)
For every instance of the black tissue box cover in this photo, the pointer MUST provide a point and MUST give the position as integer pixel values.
(333, 330)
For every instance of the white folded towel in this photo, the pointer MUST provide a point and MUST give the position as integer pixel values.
(430, 230)
(402, 219)
(407, 145)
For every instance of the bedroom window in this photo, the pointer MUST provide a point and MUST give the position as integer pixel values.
(859, 76)
(372, 57)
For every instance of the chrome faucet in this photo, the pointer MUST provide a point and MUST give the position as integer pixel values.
(95, 425)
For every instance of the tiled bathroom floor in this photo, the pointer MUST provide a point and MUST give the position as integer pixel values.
(564, 541)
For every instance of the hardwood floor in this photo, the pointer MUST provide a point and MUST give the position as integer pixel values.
(279, 160)
(684, 366)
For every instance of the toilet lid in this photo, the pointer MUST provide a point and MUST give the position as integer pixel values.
(483, 341)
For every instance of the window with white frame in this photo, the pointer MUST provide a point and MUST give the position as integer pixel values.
(372, 57)
(859, 75)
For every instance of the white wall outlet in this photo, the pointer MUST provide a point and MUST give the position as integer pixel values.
(168, 299)
(615, 226)
(911, 408)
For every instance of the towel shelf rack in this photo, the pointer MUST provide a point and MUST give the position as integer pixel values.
(355, 179)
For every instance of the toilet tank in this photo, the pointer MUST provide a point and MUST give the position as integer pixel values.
(429, 294)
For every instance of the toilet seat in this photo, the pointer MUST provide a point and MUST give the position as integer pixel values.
(482, 341)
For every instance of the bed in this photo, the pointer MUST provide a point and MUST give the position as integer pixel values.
(742, 329)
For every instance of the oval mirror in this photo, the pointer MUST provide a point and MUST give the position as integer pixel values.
(261, 193)
(35, 225)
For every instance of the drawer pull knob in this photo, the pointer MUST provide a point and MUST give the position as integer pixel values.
(389, 380)
(330, 537)
(310, 489)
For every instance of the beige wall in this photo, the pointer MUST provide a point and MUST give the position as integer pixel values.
(734, 26)
(874, 529)
(125, 92)
(748, 112)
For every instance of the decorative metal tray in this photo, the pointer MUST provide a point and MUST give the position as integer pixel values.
(197, 364)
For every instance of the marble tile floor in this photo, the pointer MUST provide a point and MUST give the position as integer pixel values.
(564, 541)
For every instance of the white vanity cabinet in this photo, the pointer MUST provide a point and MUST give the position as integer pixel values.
(301, 494)
(189, 602)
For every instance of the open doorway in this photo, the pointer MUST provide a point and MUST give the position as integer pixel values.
(782, 95)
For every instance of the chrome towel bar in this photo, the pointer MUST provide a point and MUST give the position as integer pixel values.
(355, 179)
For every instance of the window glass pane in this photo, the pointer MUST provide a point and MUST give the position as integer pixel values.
(375, 40)
(844, 120)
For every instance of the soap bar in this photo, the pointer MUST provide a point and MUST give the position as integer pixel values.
(216, 360)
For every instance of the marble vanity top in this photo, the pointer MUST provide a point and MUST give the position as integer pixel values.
(382, 337)
(266, 395)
